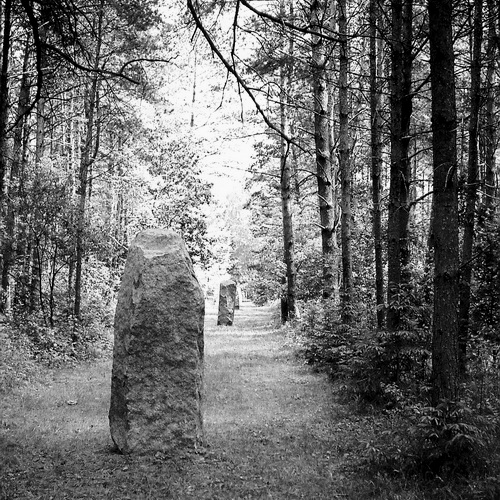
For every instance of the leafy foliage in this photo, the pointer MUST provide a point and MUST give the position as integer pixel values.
(449, 440)
(486, 286)
(16, 364)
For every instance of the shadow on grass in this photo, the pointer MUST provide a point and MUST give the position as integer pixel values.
(272, 430)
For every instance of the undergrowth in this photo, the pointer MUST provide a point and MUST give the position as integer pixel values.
(26, 347)
(450, 450)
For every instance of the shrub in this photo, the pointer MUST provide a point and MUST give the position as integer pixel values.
(68, 341)
(321, 339)
(447, 441)
(16, 365)
(378, 367)
(387, 368)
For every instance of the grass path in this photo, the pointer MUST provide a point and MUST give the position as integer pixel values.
(273, 430)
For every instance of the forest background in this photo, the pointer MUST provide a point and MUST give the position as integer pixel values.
(365, 137)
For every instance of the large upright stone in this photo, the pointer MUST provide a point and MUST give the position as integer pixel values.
(227, 298)
(158, 352)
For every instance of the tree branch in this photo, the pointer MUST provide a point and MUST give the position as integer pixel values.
(233, 71)
(283, 22)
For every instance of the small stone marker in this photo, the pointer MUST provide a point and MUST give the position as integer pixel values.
(158, 352)
(227, 298)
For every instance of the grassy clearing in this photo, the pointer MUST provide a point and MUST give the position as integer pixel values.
(274, 430)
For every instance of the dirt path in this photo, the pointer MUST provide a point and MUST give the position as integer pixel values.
(272, 428)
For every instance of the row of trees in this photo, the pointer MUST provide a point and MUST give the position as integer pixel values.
(381, 124)
(87, 157)
(347, 201)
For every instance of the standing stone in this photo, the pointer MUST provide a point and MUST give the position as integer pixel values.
(239, 298)
(227, 298)
(158, 352)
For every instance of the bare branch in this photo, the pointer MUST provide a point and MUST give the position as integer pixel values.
(233, 71)
(283, 22)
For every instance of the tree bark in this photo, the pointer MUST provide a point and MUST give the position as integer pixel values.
(336, 260)
(4, 116)
(286, 172)
(11, 187)
(4, 95)
(376, 154)
(471, 187)
(345, 167)
(444, 232)
(398, 251)
(36, 296)
(490, 135)
(319, 61)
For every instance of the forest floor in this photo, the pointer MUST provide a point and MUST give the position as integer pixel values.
(274, 429)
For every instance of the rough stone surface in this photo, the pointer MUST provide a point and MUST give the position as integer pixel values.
(157, 373)
(227, 299)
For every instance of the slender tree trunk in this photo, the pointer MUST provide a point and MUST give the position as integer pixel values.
(4, 174)
(290, 308)
(490, 134)
(4, 95)
(319, 10)
(11, 188)
(376, 154)
(193, 95)
(444, 234)
(345, 167)
(398, 252)
(471, 187)
(52, 286)
(89, 152)
(36, 272)
(73, 167)
(336, 261)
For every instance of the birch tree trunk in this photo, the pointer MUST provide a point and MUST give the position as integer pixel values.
(289, 308)
(319, 61)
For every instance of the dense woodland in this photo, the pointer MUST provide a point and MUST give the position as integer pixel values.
(365, 134)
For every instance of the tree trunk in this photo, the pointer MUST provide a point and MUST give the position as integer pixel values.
(89, 153)
(11, 188)
(4, 95)
(398, 251)
(286, 172)
(471, 187)
(4, 154)
(444, 231)
(319, 63)
(36, 294)
(345, 167)
(489, 133)
(376, 54)
(336, 262)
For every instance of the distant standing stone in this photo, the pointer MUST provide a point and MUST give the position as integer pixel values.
(157, 373)
(237, 299)
(227, 299)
